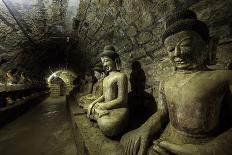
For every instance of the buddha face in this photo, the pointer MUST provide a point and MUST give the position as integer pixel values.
(186, 49)
(97, 75)
(88, 78)
(108, 64)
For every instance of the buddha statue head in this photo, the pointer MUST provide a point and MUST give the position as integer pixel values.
(187, 41)
(99, 71)
(110, 59)
(88, 76)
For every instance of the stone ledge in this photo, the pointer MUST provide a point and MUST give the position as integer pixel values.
(88, 137)
(11, 112)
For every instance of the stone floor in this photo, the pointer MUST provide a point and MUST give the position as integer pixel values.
(44, 130)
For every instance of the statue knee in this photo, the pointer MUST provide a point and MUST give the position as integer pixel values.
(108, 127)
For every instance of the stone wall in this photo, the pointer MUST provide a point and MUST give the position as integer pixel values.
(135, 28)
(55, 90)
(39, 20)
(58, 78)
(32, 16)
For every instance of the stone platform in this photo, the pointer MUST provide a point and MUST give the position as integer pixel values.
(17, 108)
(88, 137)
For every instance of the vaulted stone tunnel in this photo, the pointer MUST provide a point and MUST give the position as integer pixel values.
(55, 42)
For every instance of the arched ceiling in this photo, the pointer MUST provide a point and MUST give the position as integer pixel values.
(35, 35)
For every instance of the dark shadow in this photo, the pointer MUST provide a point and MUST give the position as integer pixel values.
(62, 88)
(141, 104)
(230, 66)
(226, 115)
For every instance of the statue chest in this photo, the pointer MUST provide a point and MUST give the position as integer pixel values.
(110, 88)
(194, 103)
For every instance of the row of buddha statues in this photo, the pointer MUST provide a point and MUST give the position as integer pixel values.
(14, 78)
(194, 108)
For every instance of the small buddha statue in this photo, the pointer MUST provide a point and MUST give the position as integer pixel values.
(97, 88)
(195, 102)
(86, 86)
(10, 80)
(110, 111)
(22, 79)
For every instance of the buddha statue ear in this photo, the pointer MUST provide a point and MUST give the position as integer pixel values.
(118, 64)
(212, 51)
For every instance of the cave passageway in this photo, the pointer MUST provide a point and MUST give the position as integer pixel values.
(45, 129)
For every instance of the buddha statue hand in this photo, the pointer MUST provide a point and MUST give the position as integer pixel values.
(90, 108)
(100, 105)
(96, 110)
(136, 142)
(81, 103)
(99, 112)
(90, 97)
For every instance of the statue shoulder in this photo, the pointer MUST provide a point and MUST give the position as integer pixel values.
(224, 74)
(229, 75)
(122, 75)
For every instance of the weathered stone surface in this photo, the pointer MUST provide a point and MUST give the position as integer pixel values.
(147, 60)
(144, 20)
(152, 45)
(132, 31)
(138, 53)
(144, 37)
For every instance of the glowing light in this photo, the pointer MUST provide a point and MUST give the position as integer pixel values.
(59, 74)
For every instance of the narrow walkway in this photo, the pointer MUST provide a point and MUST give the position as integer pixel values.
(43, 130)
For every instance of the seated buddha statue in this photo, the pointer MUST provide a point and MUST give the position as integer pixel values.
(194, 115)
(97, 88)
(110, 111)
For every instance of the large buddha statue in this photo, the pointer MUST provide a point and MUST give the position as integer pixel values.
(97, 87)
(110, 110)
(195, 104)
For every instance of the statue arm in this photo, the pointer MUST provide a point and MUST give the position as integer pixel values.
(223, 142)
(94, 88)
(91, 106)
(89, 88)
(139, 139)
(121, 99)
(87, 96)
(160, 118)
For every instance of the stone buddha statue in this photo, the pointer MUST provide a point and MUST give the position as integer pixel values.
(195, 104)
(97, 88)
(110, 110)
(86, 86)
(22, 79)
(11, 77)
